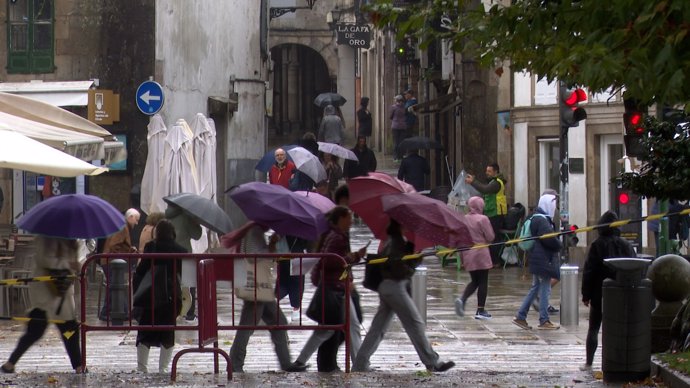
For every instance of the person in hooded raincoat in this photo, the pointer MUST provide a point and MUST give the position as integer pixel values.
(477, 261)
(331, 129)
(544, 264)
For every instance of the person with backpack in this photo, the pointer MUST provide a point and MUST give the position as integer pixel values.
(543, 263)
(609, 244)
(477, 261)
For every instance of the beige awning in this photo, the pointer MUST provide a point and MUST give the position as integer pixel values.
(23, 153)
(57, 127)
(57, 93)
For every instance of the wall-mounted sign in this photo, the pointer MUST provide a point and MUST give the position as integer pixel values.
(103, 107)
(353, 35)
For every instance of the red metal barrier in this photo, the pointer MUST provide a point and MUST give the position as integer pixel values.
(207, 327)
(208, 319)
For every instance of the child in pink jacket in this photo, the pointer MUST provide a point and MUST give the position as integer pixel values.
(477, 261)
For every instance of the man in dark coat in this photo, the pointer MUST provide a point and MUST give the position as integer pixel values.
(366, 163)
(609, 244)
(413, 169)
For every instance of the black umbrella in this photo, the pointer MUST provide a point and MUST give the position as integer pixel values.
(419, 143)
(204, 210)
(325, 99)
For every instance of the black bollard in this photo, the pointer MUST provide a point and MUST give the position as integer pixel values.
(118, 291)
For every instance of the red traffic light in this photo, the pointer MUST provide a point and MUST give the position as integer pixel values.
(623, 198)
(573, 97)
(573, 228)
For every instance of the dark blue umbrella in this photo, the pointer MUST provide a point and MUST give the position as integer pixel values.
(73, 216)
(269, 158)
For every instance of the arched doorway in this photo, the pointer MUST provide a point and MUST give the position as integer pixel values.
(299, 75)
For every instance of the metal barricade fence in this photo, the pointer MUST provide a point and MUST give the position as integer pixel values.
(223, 268)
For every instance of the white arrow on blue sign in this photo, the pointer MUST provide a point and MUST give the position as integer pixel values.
(150, 97)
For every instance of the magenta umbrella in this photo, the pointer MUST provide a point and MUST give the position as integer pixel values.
(430, 220)
(73, 216)
(365, 199)
(280, 209)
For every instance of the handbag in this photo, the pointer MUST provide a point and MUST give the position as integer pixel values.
(372, 276)
(334, 313)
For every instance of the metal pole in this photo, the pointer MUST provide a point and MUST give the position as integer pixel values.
(563, 205)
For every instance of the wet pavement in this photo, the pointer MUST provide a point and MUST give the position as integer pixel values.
(487, 353)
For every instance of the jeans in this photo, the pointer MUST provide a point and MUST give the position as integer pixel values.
(541, 285)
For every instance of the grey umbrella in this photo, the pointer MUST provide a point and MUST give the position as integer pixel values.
(204, 210)
(325, 99)
(419, 143)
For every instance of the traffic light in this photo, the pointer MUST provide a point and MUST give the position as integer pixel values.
(569, 113)
(572, 239)
(405, 51)
(633, 121)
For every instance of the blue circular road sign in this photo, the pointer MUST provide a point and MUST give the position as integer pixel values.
(150, 97)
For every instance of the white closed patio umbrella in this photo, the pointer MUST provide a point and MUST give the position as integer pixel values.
(151, 195)
(20, 152)
(178, 160)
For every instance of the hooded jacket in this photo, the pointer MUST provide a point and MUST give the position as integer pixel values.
(543, 258)
(331, 129)
(609, 244)
(481, 233)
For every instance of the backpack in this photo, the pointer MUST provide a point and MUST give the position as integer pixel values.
(526, 232)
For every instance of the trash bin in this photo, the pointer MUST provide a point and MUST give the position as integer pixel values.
(626, 327)
(569, 295)
(419, 291)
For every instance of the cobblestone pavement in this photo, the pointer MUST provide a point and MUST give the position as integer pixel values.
(487, 353)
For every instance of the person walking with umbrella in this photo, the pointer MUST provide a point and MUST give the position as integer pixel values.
(477, 261)
(395, 299)
(164, 288)
(365, 163)
(52, 300)
(326, 275)
(281, 171)
(259, 301)
(398, 119)
(413, 170)
(331, 129)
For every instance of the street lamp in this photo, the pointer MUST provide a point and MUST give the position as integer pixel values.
(333, 17)
(276, 12)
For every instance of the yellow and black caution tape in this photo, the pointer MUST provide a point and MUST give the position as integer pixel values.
(585, 229)
(47, 278)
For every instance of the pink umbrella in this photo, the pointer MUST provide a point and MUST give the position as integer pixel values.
(365, 199)
(430, 220)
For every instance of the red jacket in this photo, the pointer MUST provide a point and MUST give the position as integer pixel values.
(281, 176)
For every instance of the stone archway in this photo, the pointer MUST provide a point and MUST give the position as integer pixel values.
(303, 67)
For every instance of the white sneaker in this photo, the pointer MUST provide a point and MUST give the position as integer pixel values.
(585, 367)
(294, 317)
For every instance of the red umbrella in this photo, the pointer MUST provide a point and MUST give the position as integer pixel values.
(429, 219)
(365, 199)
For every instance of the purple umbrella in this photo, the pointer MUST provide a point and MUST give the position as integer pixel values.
(280, 209)
(73, 216)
